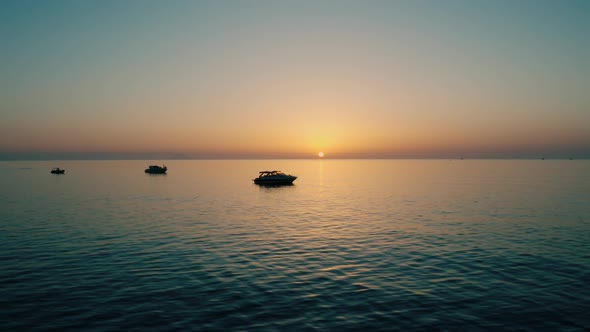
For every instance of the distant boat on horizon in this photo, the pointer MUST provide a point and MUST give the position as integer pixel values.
(274, 178)
(155, 169)
(57, 170)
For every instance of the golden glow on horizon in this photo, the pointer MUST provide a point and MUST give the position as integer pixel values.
(321, 154)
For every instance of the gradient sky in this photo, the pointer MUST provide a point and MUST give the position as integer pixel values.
(278, 79)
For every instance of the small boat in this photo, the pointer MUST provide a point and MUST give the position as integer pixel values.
(57, 170)
(154, 169)
(274, 178)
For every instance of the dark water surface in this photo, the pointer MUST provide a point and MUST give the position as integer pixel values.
(396, 245)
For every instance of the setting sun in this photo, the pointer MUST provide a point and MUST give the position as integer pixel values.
(321, 154)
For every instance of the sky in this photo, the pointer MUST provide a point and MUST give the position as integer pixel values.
(288, 79)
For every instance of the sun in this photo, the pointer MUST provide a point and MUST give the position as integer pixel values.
(321, 154)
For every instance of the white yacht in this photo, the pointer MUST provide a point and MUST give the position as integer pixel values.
(274, 177)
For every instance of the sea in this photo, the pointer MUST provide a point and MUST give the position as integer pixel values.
(352, 245)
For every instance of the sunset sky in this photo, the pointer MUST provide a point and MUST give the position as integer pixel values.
(287, 79)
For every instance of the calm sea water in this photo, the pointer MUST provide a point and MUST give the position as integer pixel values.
(395, 245)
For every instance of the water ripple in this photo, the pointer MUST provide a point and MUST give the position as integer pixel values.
(413, 253)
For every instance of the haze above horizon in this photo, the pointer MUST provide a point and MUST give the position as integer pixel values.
(288, 79)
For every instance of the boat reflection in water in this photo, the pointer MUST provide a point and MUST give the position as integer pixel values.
(153, 169)
(274, 178)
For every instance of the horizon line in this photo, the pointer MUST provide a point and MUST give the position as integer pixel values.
(295, 158)
(448, 155)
